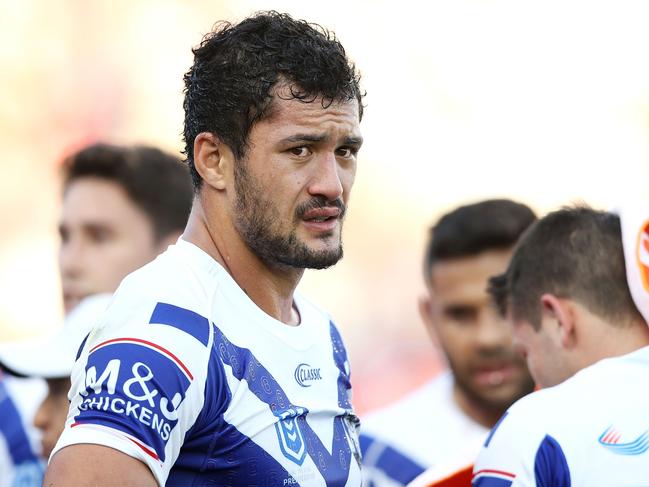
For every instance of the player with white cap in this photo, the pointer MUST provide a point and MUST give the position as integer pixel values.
(122, 206)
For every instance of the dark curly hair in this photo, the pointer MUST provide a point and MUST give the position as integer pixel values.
(230, 85)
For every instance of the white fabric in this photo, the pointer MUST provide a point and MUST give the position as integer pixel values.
(52, 356)
(428, 427)
(216, 374)
(598, 418)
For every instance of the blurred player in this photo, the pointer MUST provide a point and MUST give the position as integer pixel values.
(208, 367)
(442, 425)
(587, 344)
(20, 463)
(121, 207)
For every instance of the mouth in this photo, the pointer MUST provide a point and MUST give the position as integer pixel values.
(494, 375)
(322, 219)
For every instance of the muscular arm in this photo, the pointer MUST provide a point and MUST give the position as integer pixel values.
(86, 465)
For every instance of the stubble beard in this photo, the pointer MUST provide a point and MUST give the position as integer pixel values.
(259, 223)
(494, 403)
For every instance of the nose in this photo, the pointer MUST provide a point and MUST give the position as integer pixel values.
(70, 257)
(493, 331)
(41, 418)
(327, 178)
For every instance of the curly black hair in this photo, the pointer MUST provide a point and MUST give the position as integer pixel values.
(230, 85)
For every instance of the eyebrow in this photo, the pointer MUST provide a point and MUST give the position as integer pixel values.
(355, 141)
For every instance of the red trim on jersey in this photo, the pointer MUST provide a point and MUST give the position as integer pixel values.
(497, 472)
(461, 478)
(151, 344)
(146, 450)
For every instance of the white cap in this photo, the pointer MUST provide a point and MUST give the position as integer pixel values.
(52, 357)
(634, 219)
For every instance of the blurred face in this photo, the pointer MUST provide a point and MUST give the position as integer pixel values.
(52, 413)
(293, 185)
(104, 237)
(478, 344)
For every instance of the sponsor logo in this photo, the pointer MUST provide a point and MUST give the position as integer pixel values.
(142, 385)
(291, 439)
(304, 374)
(643, 255)
(611, 437)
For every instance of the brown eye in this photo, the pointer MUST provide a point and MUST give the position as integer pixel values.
(301, 151)
(461, 314)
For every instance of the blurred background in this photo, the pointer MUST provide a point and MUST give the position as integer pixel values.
(543, 102)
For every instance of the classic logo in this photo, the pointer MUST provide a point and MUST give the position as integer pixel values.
(610, 440)
(643, 255)
(291, 440)
(304, 373)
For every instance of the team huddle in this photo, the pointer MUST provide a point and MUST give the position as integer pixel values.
(189, 357)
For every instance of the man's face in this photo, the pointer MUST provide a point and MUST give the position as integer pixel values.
(52, 413)
(293, 185)
(104, 237)
(476, 340)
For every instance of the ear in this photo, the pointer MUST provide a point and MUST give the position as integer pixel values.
(561, 314)
(213, 160)
(426, 304)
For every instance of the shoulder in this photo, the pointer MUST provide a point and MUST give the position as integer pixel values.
(430, 402)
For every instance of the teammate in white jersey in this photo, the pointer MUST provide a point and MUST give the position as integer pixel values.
(111, 223)
(450, 416)
(207, 368)
(567, 295)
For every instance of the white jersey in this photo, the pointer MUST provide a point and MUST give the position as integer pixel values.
(185, 373)
(20, 463)
(424, 430)
(590, 431)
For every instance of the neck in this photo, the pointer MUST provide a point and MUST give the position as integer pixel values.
(485, 416)
(270, 288)
(613, 340)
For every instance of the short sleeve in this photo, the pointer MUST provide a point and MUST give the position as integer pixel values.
(138, 385)
(507, 456)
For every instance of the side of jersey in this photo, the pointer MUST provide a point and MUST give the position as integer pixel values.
(424, 431)
(592, 430)
(20, 464)
(187, 375)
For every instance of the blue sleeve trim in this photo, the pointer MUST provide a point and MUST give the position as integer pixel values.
(183, 319)
(550, 465)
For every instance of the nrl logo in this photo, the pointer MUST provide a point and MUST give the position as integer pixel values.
(291, 440)
(305, 373)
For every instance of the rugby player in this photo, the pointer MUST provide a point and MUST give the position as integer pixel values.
(586, 340)
(449, 417)
(208, 367)
(121, 207)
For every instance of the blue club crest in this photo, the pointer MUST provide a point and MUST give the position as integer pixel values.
(291, 440)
